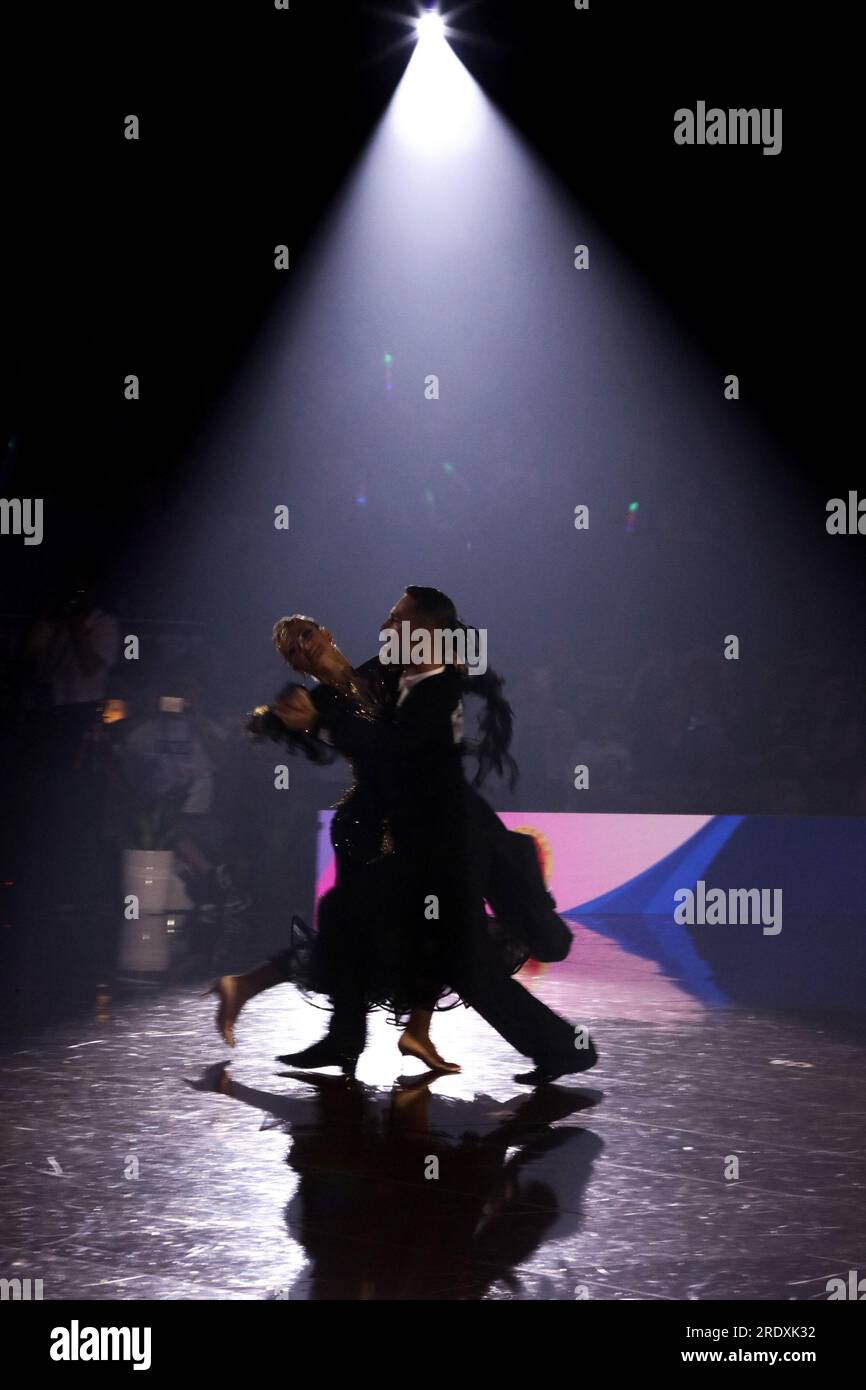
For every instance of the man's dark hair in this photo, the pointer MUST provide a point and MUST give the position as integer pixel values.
(494, 725)
(436, 606)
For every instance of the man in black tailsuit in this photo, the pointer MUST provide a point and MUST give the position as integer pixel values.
(454, 853)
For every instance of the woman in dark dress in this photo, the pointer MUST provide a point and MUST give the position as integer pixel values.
(363, 955)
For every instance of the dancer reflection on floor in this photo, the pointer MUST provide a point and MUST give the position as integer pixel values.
(371, 1222)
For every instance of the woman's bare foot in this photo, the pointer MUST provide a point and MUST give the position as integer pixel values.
(232, 996)
(423, 1049)
(233, 991)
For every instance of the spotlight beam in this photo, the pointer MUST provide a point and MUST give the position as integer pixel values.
(430, 28)
(410, 35)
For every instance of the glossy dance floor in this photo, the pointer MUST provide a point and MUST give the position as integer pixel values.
(122, 1182)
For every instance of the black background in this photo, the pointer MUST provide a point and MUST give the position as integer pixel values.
(151, 251)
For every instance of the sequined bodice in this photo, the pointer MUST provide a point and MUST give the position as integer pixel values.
(359, 829)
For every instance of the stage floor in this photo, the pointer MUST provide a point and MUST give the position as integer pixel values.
(122, 1182)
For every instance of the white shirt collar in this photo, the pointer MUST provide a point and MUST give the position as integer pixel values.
(407, 683)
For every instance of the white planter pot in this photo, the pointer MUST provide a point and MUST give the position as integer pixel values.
(145, 946)
(145, 942)
(150, 875)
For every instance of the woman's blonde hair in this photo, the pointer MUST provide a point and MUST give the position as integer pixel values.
(282, 625)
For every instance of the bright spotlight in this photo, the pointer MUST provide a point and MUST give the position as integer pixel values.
(437, 107)
(430, 27)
